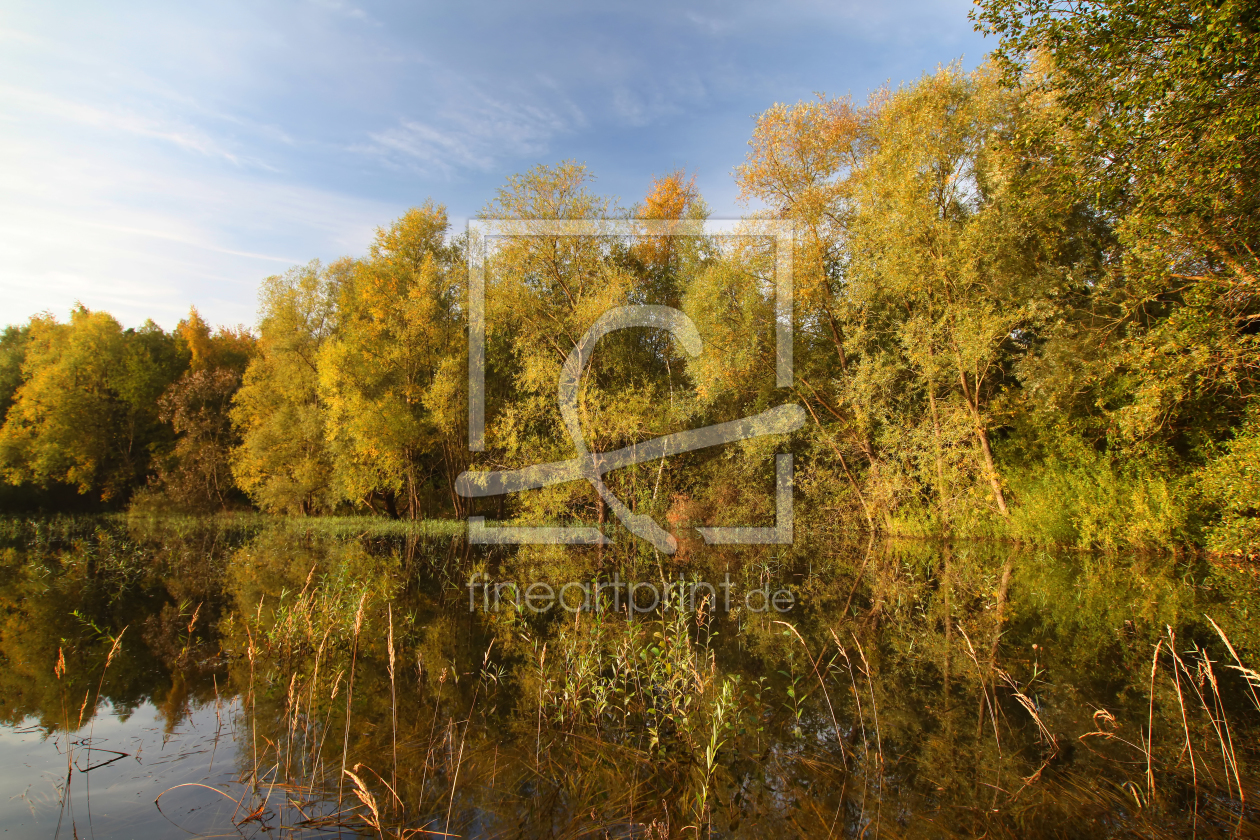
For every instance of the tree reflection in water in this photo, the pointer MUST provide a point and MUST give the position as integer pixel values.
(916, 689)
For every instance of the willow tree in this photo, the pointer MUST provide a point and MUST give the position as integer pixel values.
(1162, 100)
(922, 252)
(927, 242)
(801, 163)
(544, 292)
(283, 462)
(389, 377)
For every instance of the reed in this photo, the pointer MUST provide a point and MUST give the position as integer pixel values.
(393, 700)
(1250, 677)
(1150, 727)
(822, 684)
(459, 761)
(354, 656)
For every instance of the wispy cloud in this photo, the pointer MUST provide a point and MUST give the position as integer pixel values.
(80, 114)
(347, 9)
(478, 133)
(167, 236)
(154, 155)
(148, 241)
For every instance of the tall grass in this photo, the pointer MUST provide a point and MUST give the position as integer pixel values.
(1081, 498)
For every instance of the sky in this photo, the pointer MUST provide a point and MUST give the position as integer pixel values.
(157, 155)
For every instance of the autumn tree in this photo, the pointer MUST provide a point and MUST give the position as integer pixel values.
(929, 245)
(543, 293)
(12, 353)
(196, 473)
(390, 377)
(801, 164)
(283, 463)
(230, 348)
(1160, 105)
(85, 414)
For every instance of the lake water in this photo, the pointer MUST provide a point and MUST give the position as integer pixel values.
(255, 677)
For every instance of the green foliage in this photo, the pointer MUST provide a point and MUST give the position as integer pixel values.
(1159, 106)
(389, 378)
(1025, 307)
(283, 463)
(543, 294)
(1077, 496)
(919, 284)
(1232, 483)
(197, 475)
(86, 412)
(12, 353)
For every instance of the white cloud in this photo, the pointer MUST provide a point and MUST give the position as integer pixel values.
(346, 9)
(154, 155)
(148, 241)
(475, 130)
(116, 120)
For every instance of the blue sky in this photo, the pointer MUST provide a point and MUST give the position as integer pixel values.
(155, 155)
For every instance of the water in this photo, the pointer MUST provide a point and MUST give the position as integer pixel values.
(911, 689)
(121, 762)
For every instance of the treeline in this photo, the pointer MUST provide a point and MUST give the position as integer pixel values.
(92, 411)
(1026, 306)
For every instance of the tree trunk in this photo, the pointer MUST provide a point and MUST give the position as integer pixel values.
(995, 481)
(940, 466)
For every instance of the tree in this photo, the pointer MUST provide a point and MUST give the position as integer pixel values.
(12, 353)
(230, 348)
(86, 412)
(196, 473)
(802, 163)
(922, 252)
(283, 463)
(930, 246)
(542, 295)
(1163, 100)
(387, 378)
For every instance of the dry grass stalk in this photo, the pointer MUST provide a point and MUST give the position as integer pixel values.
(1220, 723)
(866, 667)
(393, 699)
(1185, 723)
(823, 685)
(251, 652)
(463, 741)
(354, 653)
(365, 796)
(437, 704)
(1029, 706)
(1250, 676)
(59, 670)
(984, 692)
(542, 661)
(857, 695)
(1150, 726)
(1206, 676)
(879, 746)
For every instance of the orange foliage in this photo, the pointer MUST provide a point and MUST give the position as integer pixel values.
(670, 199)
(226, 347)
